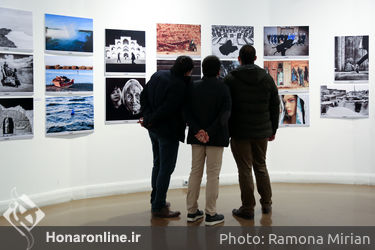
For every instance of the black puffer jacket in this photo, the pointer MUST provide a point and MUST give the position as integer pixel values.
(255, 103)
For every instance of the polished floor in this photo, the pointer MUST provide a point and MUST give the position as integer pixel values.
(293, 205)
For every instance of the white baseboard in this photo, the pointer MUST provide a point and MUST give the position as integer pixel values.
(117, 188)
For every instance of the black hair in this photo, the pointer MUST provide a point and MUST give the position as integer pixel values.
(211, 66)
(247, 54)
(182, 65)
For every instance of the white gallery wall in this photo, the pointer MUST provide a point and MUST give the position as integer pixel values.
(118, 158)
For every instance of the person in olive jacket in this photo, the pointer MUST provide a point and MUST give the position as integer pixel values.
(207, 112)
(253, 122)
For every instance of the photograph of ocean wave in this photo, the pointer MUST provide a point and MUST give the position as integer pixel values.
(65, 33)
(69, 114)
(69, 73)
(16, 29)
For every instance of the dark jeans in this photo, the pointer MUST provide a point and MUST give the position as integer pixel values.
(165, 156)
(251, 154)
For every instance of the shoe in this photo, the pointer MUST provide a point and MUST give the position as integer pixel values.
(166, 213)
(266, 210)
(241, 214)
(196, 216)
(167, 205)
(214, 219)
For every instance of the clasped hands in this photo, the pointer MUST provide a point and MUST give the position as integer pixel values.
(202, 136)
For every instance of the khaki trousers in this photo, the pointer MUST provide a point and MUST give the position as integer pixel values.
(213, 157)
(248, 154)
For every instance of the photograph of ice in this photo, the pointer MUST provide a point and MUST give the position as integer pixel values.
(227, 66)
(16, 30)
(344, 101)
(289, 75)
(69, 73)
(16, 117)
(167, 65)
(125, 51)
(123, 99)
(65, 115)
(286, 41)
(294, 110)
(16, 74)
(351, 58)
(71, 34)
(178, 39)
(227, 40)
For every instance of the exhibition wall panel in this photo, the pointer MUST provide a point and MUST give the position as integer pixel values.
(117, 158)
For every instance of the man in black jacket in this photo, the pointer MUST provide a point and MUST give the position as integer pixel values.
(207, 113)
(162, 101)
(253, 122)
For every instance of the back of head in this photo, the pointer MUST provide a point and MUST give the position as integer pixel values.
(247, 54)
(211, 66)
(182, 65)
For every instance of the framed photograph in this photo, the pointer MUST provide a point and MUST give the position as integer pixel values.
(289, 75)
(123, 99)
(227, 40)
(294, 110)
(227, 66)
(344, 101)
(16, 118)
(17, 74)
(66, 74)
(125, 51)
(68, 34)
(351, 58)
(69, 115)
(16, 30)
(286, 41)
(167, 64)
(178, 39)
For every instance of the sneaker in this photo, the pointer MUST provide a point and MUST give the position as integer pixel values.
(196, 216)
(214, 219)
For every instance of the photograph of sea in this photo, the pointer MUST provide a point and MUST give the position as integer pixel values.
(16, 74)
(69, 73)
(65, 33)
(16, 30)
(65, 115)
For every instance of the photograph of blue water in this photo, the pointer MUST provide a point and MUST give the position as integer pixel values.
(65, 33)
(69, 114)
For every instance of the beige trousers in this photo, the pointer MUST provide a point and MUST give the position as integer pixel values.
(213, 157)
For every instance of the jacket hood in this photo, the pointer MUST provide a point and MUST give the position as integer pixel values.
(249, 73)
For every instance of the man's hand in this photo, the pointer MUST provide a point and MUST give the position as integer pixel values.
(271, 138)
(140, 121)
(202, 136)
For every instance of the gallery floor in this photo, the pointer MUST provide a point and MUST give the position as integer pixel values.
(294, 204)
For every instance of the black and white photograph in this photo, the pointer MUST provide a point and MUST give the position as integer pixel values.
(167, 64)
(351, 58)
(17, 75)
(227, 66)
(227, 40)
(294, 110)
(344, 101)
(123, 99)
(16, 117)
(286, 41)
(125, 51)
(69, 115)
(16, 30)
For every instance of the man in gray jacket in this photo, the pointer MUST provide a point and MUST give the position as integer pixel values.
(253, 122)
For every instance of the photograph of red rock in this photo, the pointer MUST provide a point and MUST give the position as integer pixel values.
(178, 39)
